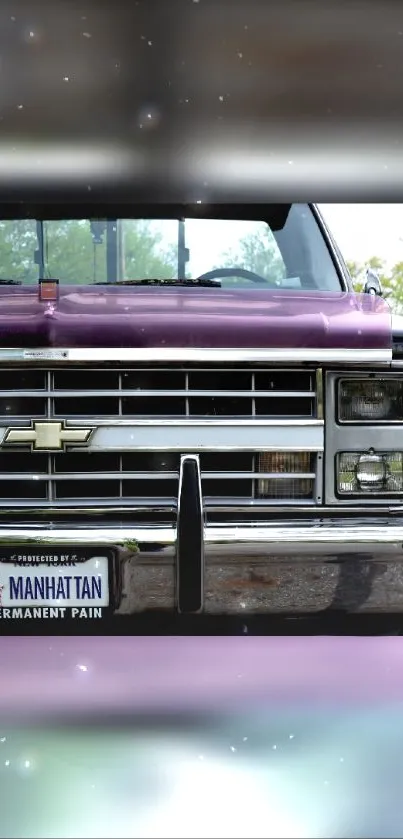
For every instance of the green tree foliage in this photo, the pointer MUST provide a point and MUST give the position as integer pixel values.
(72, 257)
(391, 280)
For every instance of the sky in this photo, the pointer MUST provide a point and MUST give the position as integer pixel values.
(365, 230)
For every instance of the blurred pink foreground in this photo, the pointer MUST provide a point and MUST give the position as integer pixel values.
(136, 674)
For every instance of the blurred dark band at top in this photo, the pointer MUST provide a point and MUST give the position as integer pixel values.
(198, 100)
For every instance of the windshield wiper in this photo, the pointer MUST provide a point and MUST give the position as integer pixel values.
(214, 283)
(7, 281)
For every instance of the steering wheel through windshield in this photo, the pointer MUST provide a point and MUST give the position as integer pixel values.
(221, 273)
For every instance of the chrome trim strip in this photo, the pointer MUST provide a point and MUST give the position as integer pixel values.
(109, 506)
(319, 394)
(181, 422)
(294, 356)
(310, 540)
(121, 537)
(154, 507)
(194, 435)
(205, 436)
(58, 393)
(157, 476)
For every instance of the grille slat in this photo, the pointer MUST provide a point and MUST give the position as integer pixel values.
(71, 394)
(150, 479)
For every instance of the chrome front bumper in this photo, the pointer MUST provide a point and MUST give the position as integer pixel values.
(291, 568)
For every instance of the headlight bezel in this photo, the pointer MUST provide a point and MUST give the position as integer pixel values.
(357, 436)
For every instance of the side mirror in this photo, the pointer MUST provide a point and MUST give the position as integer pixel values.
(373, 283)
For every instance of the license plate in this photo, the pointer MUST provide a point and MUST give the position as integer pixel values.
(42, 583)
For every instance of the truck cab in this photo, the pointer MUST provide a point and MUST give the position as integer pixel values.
(198, 416)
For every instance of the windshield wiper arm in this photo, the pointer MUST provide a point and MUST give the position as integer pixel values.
(214, 283)
(7, 281)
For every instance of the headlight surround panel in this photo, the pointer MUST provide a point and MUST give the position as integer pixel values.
(375, 429)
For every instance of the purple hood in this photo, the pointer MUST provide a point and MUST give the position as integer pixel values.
(144, 317)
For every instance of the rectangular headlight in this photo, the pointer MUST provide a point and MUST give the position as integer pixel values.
(370, 400)
(369, 473)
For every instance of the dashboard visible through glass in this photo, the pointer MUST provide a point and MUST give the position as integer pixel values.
(284, 250)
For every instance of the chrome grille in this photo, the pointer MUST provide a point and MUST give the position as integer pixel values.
(151, 392)
(149, 479)
(142, 478)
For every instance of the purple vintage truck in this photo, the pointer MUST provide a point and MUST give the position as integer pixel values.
(197, 415)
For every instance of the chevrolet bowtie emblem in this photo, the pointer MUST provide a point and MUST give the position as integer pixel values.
(46, 436)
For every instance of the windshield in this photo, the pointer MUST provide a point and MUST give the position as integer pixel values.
(283, 249)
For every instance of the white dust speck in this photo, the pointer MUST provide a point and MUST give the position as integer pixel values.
(221, 98)
(20, 107)
(82, 667)
(291, 736)
(6, 763)
(150, 43)
(66, 78)
(233, 749)
(274, 748)
(87, 35)
(240, 54)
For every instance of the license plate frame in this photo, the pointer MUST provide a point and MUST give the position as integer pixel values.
(68, 557)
